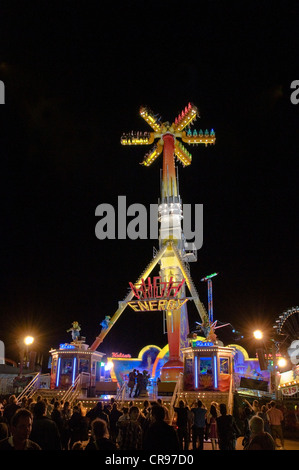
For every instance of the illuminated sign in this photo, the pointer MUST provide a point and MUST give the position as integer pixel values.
(153, 305)
(118, 354)
(202, 343)
(66, 346)
(157, 289)
(155, 295)
(288, 391)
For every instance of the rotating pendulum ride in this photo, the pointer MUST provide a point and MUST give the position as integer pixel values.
(173, 253)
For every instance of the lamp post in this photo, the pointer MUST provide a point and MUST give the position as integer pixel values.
(24, 343)
(267, 349)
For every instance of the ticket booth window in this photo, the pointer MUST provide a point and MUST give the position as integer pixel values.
(204, 380)
(224, 365)
(83, 365)
(205, 365)
(64, 372)
(66, 366)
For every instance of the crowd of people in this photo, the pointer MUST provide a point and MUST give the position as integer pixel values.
(56, 425)
(260, 430)
(138, 382)
(44, 425)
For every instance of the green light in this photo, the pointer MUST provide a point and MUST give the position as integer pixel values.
(209, 277)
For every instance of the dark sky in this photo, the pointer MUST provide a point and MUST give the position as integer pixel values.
(75, 76)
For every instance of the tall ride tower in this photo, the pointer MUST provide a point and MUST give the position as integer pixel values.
(171, 238)
(173, 255)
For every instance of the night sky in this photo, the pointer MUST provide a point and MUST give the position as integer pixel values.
(75, 76)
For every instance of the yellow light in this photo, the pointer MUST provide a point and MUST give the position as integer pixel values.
(28, 340)
(109, 365)
(258, 334)
(281, 362)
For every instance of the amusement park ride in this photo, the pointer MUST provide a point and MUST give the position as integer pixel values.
(173, 252)
(199, 362)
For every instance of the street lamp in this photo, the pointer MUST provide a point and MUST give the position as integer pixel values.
(25, 342)
(263, 352)
(258, 334)
(28, 340)
(281, 362)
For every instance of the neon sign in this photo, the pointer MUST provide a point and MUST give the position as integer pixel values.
(153, 305)
(157, 289)
(118, 354)
(66, 346)
(204, 344)
(156, 295)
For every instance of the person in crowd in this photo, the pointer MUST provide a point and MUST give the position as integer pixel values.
(146, 408)
(49, 406)
(24, 401)
(78, 426)
(114, 417)
(66, 414)
(44, 430)
(122, 427)
(166, 418)
(57, 418)
(227, 429)
(2, 404)
(132, 381)
(276, 419)
(20, 426)
(160, 436)
(97, 412)
(212, 426)
(248, 413)
(133, 434)
(29, 405)
(139, 384)
(254, 407)
(263, 414)
(190, 423)
(10, 408)
(145, 381)
(4, 432)
(259, 439)
(198, 428)
(182, 424)
(100, 439)
(107, 408)
(77, 446)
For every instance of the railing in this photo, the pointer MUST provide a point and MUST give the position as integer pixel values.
(230, 402)
(30, 388)
(121, 393)
(74, 390)
(154, 386)
(177, 390)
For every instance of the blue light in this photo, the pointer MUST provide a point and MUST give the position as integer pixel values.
(58, 372)
(196, 371)
(215, 373)
(66, 346)
(74, 370)
(203, 343)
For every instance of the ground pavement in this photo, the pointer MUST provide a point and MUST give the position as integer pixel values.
(288, 445)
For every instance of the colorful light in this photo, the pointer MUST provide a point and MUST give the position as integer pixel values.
(215, 373)
(258, 334)
(196, 371)
(74, 370)
(58, 371)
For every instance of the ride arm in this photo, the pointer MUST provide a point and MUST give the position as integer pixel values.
(200, 138)
(99, 339)
(199, 305)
